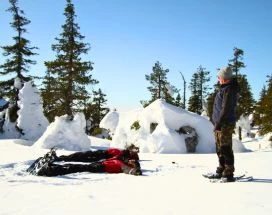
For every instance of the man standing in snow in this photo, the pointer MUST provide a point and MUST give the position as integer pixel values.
(109, 161)
(224, 119)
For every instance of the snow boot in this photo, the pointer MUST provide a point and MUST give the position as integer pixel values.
(227, 174)
(41, 162)
(217, 174)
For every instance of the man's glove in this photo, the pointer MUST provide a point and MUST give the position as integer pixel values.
(131, 170)
(135, 171)
(134, 163)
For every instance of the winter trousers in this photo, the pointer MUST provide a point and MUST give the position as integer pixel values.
(88, 156)
(224, 150)
(55, 169)
(91, 157)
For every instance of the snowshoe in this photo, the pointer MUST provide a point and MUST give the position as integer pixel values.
(240, 178)
(42, 162)
(212, 175)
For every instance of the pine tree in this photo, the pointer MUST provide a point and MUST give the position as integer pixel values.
(52, 105)
(260, 108)
(246, 102)
(178, 101)
(71, 74)
(236, 62)
(266, 109)
(199, 90)
(96, 110)
(210, 102)
(99, 100)
(18, 59)
(194, 104)
(211, 98)
(160, 87)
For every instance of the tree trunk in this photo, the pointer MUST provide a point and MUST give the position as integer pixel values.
(240, 133)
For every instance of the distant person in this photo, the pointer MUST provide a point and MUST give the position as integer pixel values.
(108, 161)
(224, 119)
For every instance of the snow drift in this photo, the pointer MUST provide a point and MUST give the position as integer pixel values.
(66, 134)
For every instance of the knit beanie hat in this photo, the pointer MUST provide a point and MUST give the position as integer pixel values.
(225, 72)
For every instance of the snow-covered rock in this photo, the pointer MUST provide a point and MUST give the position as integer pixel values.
(165, 138)
(66, 134)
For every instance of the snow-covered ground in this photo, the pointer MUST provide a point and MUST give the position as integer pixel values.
(171, 184)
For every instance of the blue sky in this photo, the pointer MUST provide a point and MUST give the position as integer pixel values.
(128, 37)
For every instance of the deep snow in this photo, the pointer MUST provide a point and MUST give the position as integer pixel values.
(171, 184)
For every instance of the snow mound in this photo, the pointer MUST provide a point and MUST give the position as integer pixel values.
(31, 119)
(134, 127)
(66, 134)
(265, 141)
(110, 121)
(237, 146)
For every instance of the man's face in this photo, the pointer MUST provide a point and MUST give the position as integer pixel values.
(220, 79)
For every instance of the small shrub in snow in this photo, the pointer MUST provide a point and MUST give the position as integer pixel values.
(96, 131)
(135, 125)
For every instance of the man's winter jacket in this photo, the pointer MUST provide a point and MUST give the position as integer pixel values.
(225, 104)
(123, 155)
(117, 162)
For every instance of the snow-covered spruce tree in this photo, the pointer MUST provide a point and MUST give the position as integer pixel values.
(246, 102)
(18, 60)
(199, 90)
(70, 75)
(159, 87)
(95, 111)
(31, 120)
